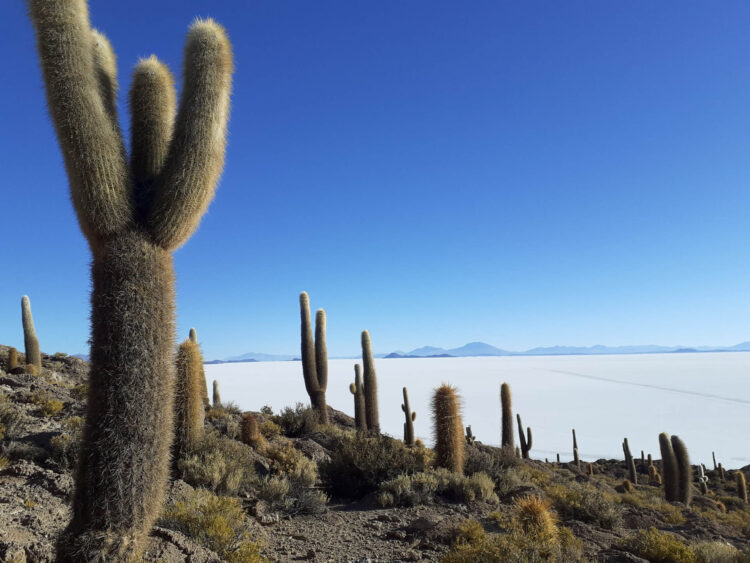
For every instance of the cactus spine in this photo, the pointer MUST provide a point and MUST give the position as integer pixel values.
(314, 357)
(449, 439)
(630, 462)
(525, 440)
(357, 389)
(669, 468)
(371, 385)
(133, 216)
(30, 341)
(193, 337)
(507, 416)
(741, 483)
(410, 418)
(217, 394)
(12, 359)
(189, 409)
(684, 471)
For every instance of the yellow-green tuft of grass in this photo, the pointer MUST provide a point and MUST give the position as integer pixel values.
(217, 523)
(658, 547)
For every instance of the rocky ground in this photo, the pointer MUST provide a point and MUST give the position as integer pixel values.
(39, 420)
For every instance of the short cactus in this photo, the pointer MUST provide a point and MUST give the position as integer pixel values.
(524, 440)
(314, 357)
(12, 359)
(702, 480)
(250, 431)
(713, 455)
(31, 342)
(741, 483)
(470, 438)
(358, 390)
(189, 408)
(629, 462)
(507, 416)
(372, 414)
(410, 418)
(449, 439)
(217, 394)
(722, 476)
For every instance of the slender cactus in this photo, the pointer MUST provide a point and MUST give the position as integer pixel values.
(133, 214)
(703, 480)
(217, 394)
(558, 458)
(449, 440)
(629, 462)
(713, 455)
(189, 408)
(525, 440)
(410, 418)
(371, 385)
(507, 416)
(193, 337)
(576, 459)
(250, 431)
(31, 342)
(684, 471)
(314, 357)
(669, 468)
(470, 438)
(358, 390)
(721, 473)
(741, 483)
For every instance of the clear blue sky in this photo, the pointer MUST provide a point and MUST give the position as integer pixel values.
(522, 173)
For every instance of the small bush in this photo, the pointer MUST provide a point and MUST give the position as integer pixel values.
(297, 421)
(282, 493)
(583, 502)
(218, 463)
(80, 392)
(217, 523)
(421, 488)
(269, 429)
(267, 410)
(359, 464)
(716, 552)
(10, 418)
(658, 547)
(65, 446)
(286, 460)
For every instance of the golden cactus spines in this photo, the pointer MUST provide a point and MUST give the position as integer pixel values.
(193, 337)
(449, 430)
(33, 354)
(189, 406)
(133, 212)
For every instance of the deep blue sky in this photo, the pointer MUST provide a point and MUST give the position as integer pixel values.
(523, 173)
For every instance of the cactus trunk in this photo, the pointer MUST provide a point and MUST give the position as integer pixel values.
(410, 417)
(371, 385)
(357, 389)
(189, 406)
(507, 416)
(629, 462)
(217, 394)
(684, 471)
(449, 438)
(30, 341)
(524, 440)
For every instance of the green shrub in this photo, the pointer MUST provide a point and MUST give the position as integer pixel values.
(583, 502)
(297, 421)
(282, 493)
(421, 488)
(716, 552)
(269, 429)
(359, 464)
(658, 547)
(218, 463)
(217, 523)
(288, 461)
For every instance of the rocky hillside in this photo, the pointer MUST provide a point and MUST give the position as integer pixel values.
(291, 490)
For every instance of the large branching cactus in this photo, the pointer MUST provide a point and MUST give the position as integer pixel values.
(133, 214)
(31, 342)
(526, 440)
(314, 357)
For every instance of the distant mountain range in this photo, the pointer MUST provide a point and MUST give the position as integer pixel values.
(479, 349)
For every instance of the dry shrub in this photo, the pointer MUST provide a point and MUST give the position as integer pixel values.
(269, 429)
(359, 464)
(297, 421)
(10, 418)
(717, 552)
(421, 488)
(217, 523)
(658, 547)
(578, 501)
(65, 446)
(282, 493)
(218, 463)
(288, 461)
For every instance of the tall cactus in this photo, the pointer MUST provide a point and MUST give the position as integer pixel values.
(133, 214)
(30, 341)
(193, 337)
(449, 430)
(217, 394)
(669, 468)
(507, 416)
(314, 357)
(525, 440)
(629, 462)
(358, 390)
(576, 459)
(189, 407)
(741, 483)
(372, 414)
(684, 471)
(410, 418)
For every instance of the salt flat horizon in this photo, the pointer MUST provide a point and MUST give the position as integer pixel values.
(703, 398)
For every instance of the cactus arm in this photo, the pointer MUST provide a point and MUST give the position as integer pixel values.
(321, 351)
(152, 108)
(105, 67)
(196, 154)
(309, 370)
(414, 416)
(92, 147)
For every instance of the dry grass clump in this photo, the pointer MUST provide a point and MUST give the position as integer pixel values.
(269, 429)
(359, 464)
(80, 392)
(292, 497)
(10, 418)
(65, 446)
(48, 407)
(421, 488)
(297, 421)
(658, 547)
(217, 523)
(218, 463)
(532, 535)
(288, 461)
(718, 552)
(653, 499)
(580, 501)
